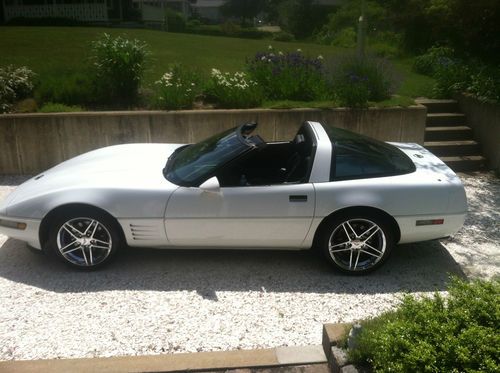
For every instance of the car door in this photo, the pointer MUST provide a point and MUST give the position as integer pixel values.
(243, 216)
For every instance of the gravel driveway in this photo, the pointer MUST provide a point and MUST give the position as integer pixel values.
(178, 301)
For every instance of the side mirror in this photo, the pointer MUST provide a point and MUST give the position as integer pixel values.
(211, 185)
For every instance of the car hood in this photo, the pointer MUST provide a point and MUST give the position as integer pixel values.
(130, 166)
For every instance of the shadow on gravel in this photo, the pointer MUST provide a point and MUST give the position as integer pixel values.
(412, 268)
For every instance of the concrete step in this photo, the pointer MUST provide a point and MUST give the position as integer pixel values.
(439, 106)
(452, 148)
(445, 119)
(448, 133)
(465, 163)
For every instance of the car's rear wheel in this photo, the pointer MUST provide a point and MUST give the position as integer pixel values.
(357, 243)
(84, 239)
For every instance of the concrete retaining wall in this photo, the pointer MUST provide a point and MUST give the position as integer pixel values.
(31, 143)
(484, 119)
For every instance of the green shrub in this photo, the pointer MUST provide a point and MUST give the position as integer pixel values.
(16, 83)
(283, 36)
(459, 333)
(51, 107)
(119, 65)
(289, 76)
(174, 21)
(177, 89)
(68, 89)
(452, 76)
(233, 91)
(485, 84)
(357, 81)
(428, 63)
(345, 38)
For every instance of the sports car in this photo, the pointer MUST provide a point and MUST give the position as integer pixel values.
(352, 197)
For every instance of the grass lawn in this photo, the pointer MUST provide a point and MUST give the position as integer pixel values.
(59, 50)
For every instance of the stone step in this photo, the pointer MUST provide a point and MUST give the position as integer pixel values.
(439, 106)
(452, 148)
(465, 163)
(445, 119)
(448, 133)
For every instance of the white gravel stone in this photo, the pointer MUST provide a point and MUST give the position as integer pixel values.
(151, 301)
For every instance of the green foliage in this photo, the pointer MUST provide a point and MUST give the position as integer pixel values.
(345, 38)
(119, 64)
(348, 15)
(428, 62)
(51, 107)
(289, 76)
(283, 36)
(357, 81)
(16, 83)
(177, 89)
(452, 76)
(485, 84)
(470, 27)
(68, 89)
(228, 29)
(233, 90)
(174, 21)
(459, 333)
(301, 17)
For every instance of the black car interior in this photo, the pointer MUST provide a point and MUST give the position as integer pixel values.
(272, 163)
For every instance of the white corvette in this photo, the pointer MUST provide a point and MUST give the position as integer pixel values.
(350, 196)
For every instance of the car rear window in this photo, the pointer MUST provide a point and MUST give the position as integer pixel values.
(356, 156)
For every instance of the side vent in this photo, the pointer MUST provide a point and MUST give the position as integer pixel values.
(143, 232)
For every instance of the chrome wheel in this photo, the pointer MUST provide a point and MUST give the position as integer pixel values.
(357, 244)
(84, 242)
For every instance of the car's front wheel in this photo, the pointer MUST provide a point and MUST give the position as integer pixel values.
(357, 243)
(84, 239)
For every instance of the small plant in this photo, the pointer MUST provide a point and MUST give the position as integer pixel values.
(119, 65)
(51, 107)
(357, 81)
(174, 21)
(459, 333)
(68, 89)
(289, 76)
(177, 89)
(233, 90)
(429, 62)
(16, 83)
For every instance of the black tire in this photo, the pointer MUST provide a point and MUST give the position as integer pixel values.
(84, 238)
(357, 243)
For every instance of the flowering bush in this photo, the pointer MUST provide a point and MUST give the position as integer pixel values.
(427, 63)
(233, 90)
(119, 65)
(16, 83)
(177, 89)
(289, 76)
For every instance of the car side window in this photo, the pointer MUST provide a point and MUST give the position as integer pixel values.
(275, 164)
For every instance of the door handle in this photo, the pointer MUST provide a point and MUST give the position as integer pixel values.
(298, 198)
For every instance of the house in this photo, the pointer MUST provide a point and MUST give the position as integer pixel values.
(81, 10)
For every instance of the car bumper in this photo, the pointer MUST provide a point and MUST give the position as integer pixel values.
(424, 230)
(21, 229)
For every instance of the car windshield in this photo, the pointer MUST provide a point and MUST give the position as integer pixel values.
(198, 161)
